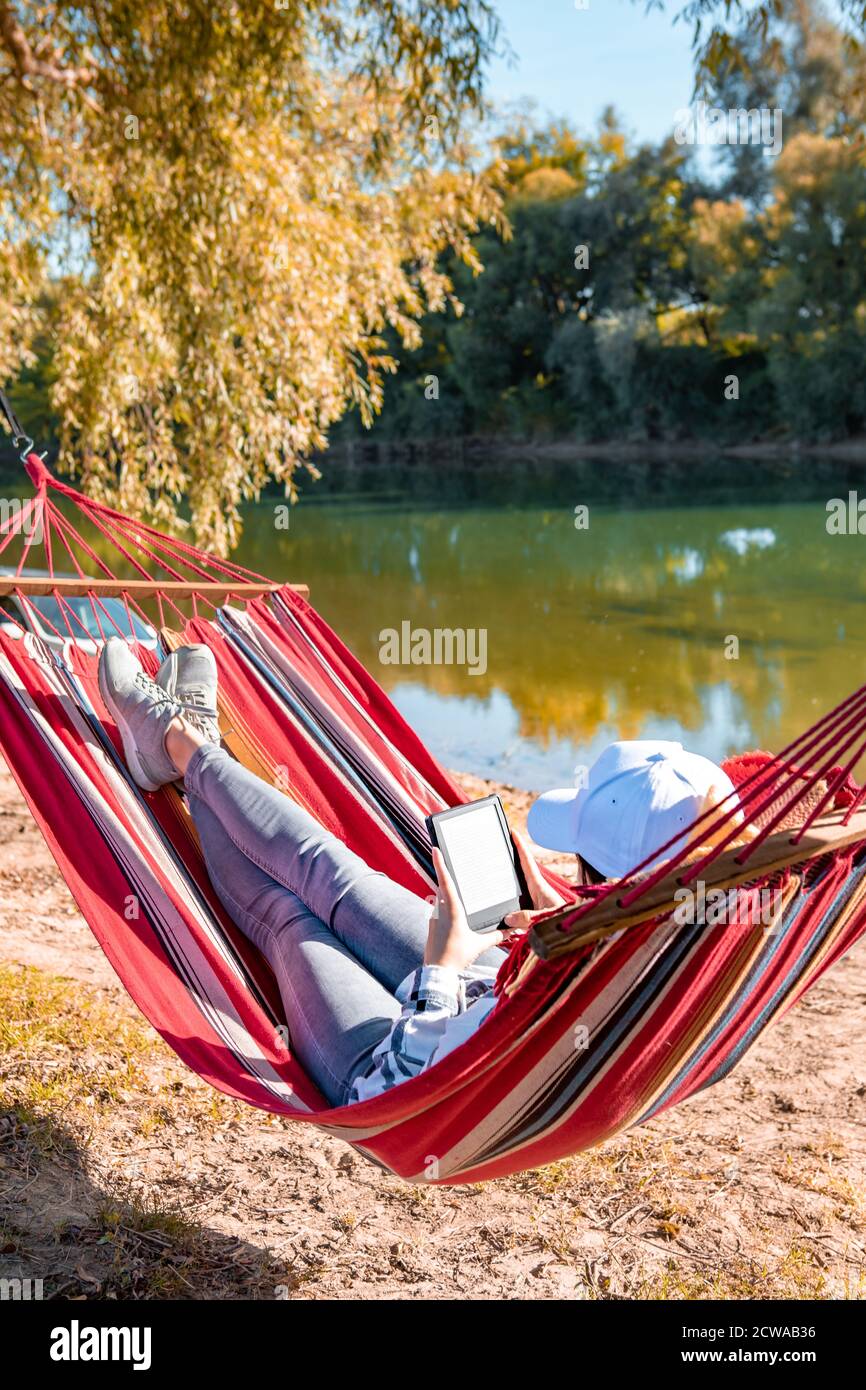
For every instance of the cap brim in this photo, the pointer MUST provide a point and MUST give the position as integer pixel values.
(554, 818)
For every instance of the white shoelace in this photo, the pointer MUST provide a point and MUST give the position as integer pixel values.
(156, 692)
(200, 715)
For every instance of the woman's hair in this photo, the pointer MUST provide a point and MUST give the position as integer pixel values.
(586, 874)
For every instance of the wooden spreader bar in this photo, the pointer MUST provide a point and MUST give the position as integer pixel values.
(215, 590)
(775, 853)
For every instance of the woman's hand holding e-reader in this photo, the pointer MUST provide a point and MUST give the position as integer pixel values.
(476, 844)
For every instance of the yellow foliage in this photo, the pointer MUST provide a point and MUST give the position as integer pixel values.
(251, 195)
(545, 185)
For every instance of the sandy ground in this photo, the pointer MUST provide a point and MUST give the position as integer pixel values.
(123, 1175)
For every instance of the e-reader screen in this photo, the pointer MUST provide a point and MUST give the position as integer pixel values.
(477, 847)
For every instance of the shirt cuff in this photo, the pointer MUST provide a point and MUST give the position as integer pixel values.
(436, 985)
(444, 979)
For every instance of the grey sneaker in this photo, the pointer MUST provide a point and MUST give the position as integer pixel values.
(142, 712)
(189, 676)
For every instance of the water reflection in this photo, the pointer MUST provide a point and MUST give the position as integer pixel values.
(621, 630)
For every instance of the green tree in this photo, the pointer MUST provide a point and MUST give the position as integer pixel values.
(635, 287)
(243, 199)
(801, 66)
(544, 343)
(598, 252)
(803, 294)
(728, 34)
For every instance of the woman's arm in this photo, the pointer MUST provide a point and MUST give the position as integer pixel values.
(436, 1016)
(434, 1019)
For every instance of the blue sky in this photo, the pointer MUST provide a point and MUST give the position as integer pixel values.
(574, 62)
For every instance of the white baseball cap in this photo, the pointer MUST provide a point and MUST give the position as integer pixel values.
(638, 795)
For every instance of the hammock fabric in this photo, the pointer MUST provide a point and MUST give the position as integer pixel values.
(578, 1047)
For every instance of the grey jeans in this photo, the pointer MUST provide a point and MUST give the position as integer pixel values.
(338, 936)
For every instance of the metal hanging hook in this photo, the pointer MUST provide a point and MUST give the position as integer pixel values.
(28, 446)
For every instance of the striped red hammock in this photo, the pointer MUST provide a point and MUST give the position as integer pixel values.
(611, 1012)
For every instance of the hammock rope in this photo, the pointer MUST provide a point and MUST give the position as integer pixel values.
(609, 1012)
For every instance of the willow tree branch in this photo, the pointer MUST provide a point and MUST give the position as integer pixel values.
(29, 64)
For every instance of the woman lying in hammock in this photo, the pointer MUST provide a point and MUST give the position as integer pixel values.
(375, 988)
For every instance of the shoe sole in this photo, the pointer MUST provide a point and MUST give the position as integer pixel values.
(127, 738)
